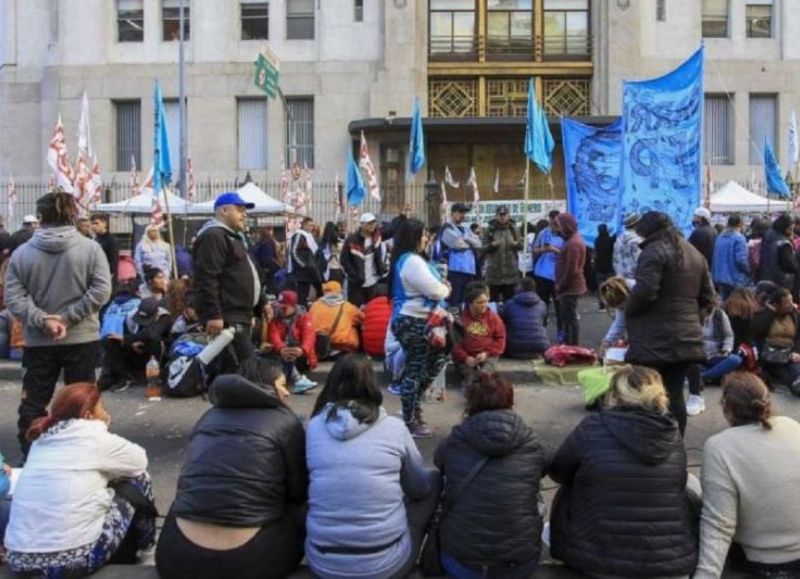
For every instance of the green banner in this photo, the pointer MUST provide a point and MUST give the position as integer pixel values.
(266, 76)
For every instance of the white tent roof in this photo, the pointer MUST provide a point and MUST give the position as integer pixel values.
(143, 203)
(252, 193)
(733, 198)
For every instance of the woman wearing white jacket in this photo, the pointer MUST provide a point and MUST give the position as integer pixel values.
(84, 497)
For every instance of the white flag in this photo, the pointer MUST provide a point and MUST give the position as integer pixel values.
(191, 187)
(84, 133)
(94, 187)
(365, 164)
(11, 198)
(497, 181)
(448, 178)
(58, 158)
(473, 183)
(794, 141)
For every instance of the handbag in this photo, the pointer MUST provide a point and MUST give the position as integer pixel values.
(322, 343)
(775, 355)
(430, 557)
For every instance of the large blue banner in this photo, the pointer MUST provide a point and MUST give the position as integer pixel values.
(662, 143)
(593, 157)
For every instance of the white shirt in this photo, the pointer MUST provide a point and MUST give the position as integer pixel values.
(419, 283)
(370, 276)
(62, 497)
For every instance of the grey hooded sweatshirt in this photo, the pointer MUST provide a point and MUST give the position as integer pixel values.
(59, 271)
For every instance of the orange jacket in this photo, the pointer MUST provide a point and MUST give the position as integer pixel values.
(323, 314)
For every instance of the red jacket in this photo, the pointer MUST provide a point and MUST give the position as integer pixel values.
(571, 259)
(302, 332)
(484, 334)
(377, 314)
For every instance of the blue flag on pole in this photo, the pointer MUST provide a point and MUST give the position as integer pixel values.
(416, 144)
(355, 181)
(775, 182)
(539, 142)
(592, 158)
(162, 165)
(662, 143)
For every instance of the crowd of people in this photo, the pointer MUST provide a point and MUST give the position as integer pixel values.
(349, 492)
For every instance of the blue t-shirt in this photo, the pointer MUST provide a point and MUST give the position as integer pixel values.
(546, 263)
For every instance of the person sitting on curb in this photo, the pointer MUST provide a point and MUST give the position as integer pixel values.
(336, 317)
(377, 315)
(145, 335)
(84, 498)
(291, 335)
(155, 284)
(524, 316)
(240, 506)
(484, 336)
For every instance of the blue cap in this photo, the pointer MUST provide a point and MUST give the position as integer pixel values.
(232, 198)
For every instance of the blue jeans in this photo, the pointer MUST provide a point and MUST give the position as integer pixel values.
(456, 570)
(718, 366)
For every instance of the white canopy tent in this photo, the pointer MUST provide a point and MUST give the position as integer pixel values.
(252, 193)
(733, 198)
(143, 204)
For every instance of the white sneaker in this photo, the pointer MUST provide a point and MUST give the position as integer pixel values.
(303, 385)
(695, 405)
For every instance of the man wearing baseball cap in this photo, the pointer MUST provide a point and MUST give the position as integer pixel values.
(704, 234)
(24, 233)
(361, 260)
(458, 247)
(291, 334)
(227, 284)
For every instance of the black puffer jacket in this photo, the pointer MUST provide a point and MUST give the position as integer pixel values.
(246, 458)
(496, 520)
(663, 311)
(623, 510)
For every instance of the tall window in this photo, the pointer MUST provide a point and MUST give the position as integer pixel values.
(566, 28)
(130, 20)
(255, 19)
(300, 131)
(718, 130)
(510, 27)
(358, 10)
(172, 109)
(715, 18)
(661, 10)
(763, 125)
(452, 27)
(300, 19)
(128, 125)
(252, 133)
(170, 18)
(759, 19)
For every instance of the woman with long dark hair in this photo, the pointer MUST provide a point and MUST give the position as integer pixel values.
(663, 312)
(415, 288)
(331, 248)
(362, 464)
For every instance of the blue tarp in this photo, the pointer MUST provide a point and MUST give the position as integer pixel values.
(662, 143)
(593, 157)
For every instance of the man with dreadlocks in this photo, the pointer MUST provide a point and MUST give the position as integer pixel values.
(55, 285)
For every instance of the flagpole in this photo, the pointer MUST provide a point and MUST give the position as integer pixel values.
(527, 194)
(182, 102)
(171, 233)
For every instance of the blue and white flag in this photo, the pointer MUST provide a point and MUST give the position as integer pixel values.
(775, 182)
(539, 142)
(416, 143)
(592, 158)
(162, 165)
(662, 123)
(794, 141)
(356, 190)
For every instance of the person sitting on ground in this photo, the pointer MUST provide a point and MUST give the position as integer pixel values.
(336, 317)
(362, 464)
(125, 302)
(84, 498)
(240, 508)
(145, 335)
(524, 316)
(741, 306)
(721, 358)
(377, 315)
(291, 335)
(493, 527)
(776, 332)
(188, 321)
(152, 252)
(614, 293)
(155, 284)
(484, 336)
(622, 510)
(751, 472)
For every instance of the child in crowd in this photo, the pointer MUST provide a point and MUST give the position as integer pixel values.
(614, 293)
(394, 362)
(291, 335)
(484, 336)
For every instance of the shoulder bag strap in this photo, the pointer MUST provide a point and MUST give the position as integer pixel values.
(336, 321)
(462, 486)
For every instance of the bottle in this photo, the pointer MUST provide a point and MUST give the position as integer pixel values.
(153, 376)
